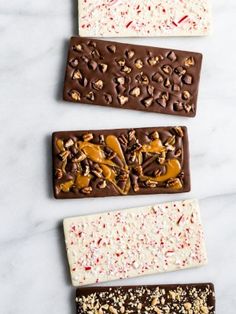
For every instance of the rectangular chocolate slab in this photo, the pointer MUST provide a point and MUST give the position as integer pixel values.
(154, 299)
(120, 162)
(134, 242)
(139, 18)
(132, 77)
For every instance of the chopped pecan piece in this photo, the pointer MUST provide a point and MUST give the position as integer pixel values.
(87, 190)
(87, 137)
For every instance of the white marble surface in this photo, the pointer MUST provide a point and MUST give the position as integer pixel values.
(33, 270)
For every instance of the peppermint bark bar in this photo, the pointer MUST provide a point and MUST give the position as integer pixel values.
(123, 18)
(132, 77)
(120, 162)
(134, 242)
(154, 299)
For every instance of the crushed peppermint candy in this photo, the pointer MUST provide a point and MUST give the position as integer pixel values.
(122, 18)
(134, 242)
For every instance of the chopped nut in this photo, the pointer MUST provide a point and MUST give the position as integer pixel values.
(87, 190)
(153, 60)
(139, 306)
(74, 63)
(100, 311)
(155, 301)
(95, 53)
(187, 306)
(150, 90)
(157, 77)
(139, 64)
(130, 54)
(178, 106)
(174, 183)
(180, 71)
(172, 295)
(64, 155)
(178, 130)
(148, 102)
(77, 75)
(186, 95)
(121, 62)
(92, 65)
(123, 100)
(187, 79)
(157, 310)
(176, 88)
(167, 69)
(151, 183)
(90, 96)
(161, 102)
(113, 310)
(78, 47)
(170, 141)
(108, 98)
(126, 69)
(204, 310)
(131, 135)
(167, 83)
(80, 156)
(58, 174)
(112, 48)
(122, 309)
(187, 107)
(143, 79)
(188, 62)
(172, 56)
(102, 184)
(154, 135)
(98, 85)
(69, 143)
(87, 137)
(83, 81)
(178, 153)
(135, 92)
(103, 67)
(75, 95)
(120, 80)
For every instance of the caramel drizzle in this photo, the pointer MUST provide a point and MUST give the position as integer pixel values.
(96, 154)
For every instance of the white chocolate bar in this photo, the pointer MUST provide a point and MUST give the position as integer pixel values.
(134, 242)
(131, 18)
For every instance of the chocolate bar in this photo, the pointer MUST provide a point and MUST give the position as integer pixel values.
(120, 162)
(125, 18)
(132, 77)
(134, 242)
(157, 299)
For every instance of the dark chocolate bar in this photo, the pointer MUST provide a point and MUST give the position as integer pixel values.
(132, 77)
(120, 162)
(158, 299)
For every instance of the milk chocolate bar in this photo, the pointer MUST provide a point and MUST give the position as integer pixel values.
(120, 162)
(134, 242)
(125, 18)
(155, 299)
(132, 77)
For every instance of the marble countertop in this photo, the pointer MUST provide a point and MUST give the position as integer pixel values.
(34, 276)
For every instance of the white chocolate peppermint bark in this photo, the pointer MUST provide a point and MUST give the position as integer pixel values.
(134, 242)
(131, 18)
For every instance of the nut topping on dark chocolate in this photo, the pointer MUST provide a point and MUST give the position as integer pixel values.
(164, 299)
(99, 66)
(121, 162)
